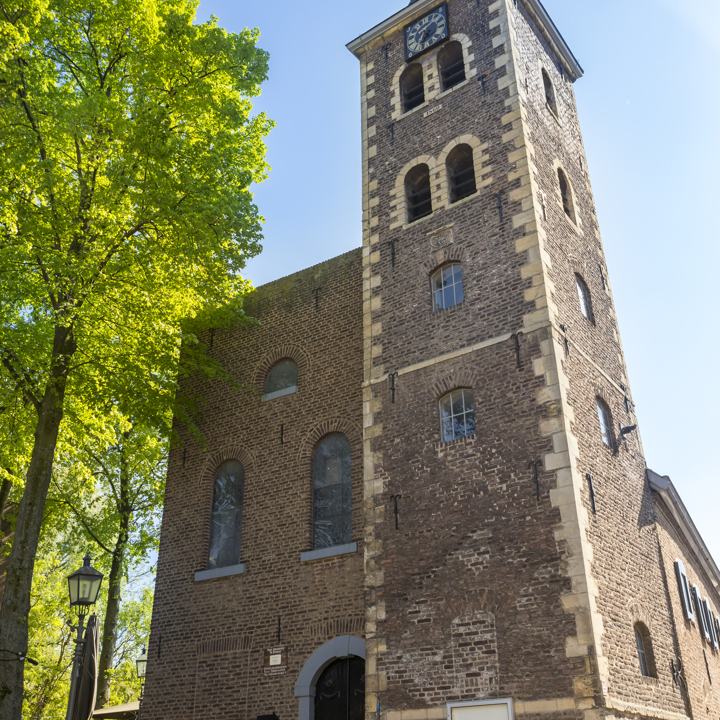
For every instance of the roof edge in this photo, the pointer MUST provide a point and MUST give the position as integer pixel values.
(554, 37)
(662, 485)
(364, 42)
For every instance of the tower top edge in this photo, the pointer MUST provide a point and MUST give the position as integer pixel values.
(395, 24)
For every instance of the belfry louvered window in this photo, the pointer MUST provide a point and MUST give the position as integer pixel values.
(412, 88)
(684, 589)
(332, 488)
(452, 65)
(418, 195)
(461, 173)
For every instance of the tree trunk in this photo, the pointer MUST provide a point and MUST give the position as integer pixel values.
(18, 581)
(112, 612)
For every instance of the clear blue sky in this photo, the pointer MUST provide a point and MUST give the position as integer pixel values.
(649, 106)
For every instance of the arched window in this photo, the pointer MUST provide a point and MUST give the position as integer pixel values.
(412, 90)
(332, 488)
(227, 513)
(452, 65)
(644, 651)
(457, 415)
(447, 285)
(282, 379)
(566, 194)
(584, 296)
(461, 172)
(340, 691)
(417, 192)
(549, 91)
(605, 422)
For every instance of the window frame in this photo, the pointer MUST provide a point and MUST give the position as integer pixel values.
(346, 545)
(481, 703)
(684, 589)
(550, 102)
(411, 204)
(439, 272)
(567, 199)
(641, 652)
(452, 174)
(236, 567)
(703, 623)
(603, 410)
(403, 92)
(289, 390)
(466, 412)
(585, 298)
(441, 71)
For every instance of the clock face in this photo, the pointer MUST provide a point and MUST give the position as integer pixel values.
(429, 30)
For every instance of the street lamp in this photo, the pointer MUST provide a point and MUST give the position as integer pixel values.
(83, 588)
(141, 665)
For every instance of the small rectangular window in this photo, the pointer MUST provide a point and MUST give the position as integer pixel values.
(684, 588)
(641, 654)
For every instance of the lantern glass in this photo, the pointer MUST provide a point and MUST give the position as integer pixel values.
(141, 664)
(84, 585)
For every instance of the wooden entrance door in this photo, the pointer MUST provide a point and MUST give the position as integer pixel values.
(340, 691)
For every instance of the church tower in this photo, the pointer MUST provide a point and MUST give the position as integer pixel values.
(504, 476)
(424, 497)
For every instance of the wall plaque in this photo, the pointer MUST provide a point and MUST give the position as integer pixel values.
(275, 661)
(441, 238)
(432, 110)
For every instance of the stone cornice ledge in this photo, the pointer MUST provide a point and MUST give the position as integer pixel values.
(362, 44)
(642, 710)
(397, 22)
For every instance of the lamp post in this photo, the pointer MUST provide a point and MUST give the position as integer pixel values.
(83, 587)
(141, 665)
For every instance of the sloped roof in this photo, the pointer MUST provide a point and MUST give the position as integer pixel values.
(662, 485)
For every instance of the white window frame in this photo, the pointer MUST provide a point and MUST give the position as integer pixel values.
(705, 630)
(605, 422)
(711, 623)
(642, 653)
(481, 703)
(684, 588)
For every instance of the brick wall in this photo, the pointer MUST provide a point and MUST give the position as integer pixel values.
(208, 638)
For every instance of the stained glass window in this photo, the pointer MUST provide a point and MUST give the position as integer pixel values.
(227, 510)
(283, 375)
(457, 415)
(332, 487)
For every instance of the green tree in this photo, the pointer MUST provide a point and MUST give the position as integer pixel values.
(127, 150)
(115, 493)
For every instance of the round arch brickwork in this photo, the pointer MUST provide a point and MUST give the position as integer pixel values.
(327, 427)
(462, 379)
(294, 352)
(443, 257)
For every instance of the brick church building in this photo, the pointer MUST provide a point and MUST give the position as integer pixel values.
(429, 497)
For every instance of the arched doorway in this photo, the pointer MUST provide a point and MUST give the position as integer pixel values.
(344, 647)
(340, 691)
